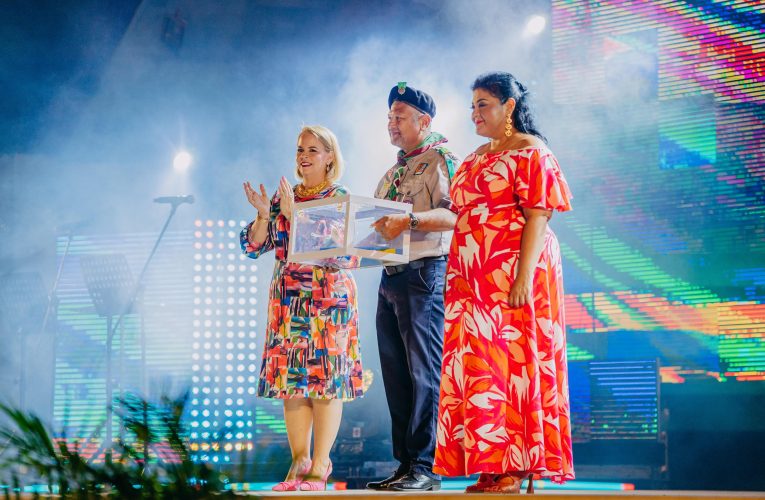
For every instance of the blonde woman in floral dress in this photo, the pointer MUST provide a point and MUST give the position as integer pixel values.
(311, 358)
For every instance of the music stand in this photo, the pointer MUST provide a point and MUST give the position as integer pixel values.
(23, 302)
(132, 297)
(110, 285)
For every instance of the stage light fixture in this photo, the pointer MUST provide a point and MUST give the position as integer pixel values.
(535, 25)
(182, 161)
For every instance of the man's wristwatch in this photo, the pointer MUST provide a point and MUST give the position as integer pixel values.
(413, 221)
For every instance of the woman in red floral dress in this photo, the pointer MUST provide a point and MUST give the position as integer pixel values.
(504, 406)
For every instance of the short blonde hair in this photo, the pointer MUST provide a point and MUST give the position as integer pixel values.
(329, 141)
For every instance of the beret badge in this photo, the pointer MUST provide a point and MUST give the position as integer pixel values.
(413, 97)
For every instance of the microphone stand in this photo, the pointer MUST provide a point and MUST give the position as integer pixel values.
(51, 306)
(52, 297)
(113, 329)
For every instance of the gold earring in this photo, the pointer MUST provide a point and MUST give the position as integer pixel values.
(509, 126)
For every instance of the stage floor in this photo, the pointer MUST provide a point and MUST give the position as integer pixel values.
(548, 495)
(455, 488)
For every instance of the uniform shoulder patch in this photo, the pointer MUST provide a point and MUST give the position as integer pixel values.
(420, 168)
(447, 154)
(450, 159)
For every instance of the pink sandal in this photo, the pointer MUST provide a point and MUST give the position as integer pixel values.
(294, 484)
(320, 485)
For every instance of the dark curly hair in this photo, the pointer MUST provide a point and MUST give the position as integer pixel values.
(503, 86)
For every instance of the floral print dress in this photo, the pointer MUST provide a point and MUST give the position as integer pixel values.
(504, 402)
(312, 342)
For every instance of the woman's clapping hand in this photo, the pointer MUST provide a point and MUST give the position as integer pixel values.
(286, 198)
(258, 200)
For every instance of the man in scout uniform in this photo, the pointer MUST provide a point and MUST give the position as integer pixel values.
(410, 307)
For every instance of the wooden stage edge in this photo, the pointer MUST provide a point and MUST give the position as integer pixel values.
(546, 495)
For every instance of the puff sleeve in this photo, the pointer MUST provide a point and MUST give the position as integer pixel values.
(539, 182)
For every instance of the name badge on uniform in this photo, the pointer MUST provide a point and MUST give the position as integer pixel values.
(420, 168)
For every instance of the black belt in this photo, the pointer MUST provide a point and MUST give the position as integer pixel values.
(415, 264)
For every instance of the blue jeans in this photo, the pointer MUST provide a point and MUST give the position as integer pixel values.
(410, 336)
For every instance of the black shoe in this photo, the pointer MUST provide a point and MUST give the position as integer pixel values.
(415, 481)
(385, 483)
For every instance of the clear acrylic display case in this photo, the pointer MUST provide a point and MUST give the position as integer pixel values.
(337, 232)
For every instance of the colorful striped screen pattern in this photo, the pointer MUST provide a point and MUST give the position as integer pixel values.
(199, 317)
(666, 157)
(614, 400)
(98, 279)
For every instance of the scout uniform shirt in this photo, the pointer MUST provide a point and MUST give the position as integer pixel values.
(423, 182)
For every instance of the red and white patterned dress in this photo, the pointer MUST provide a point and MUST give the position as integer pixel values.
(504, 402)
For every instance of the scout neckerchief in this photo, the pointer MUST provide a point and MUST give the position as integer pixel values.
(432, 140)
